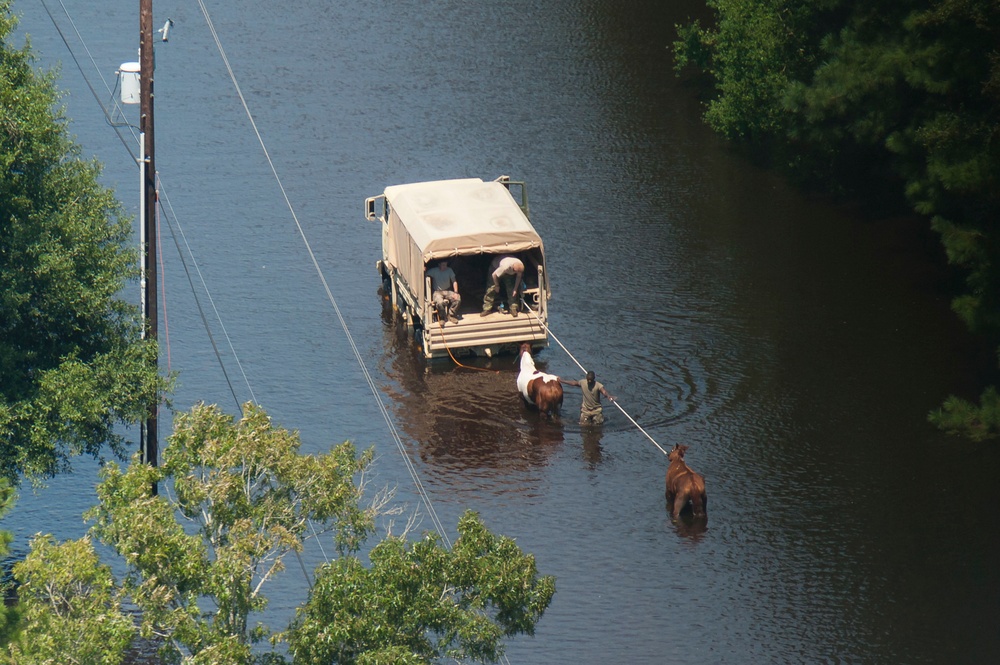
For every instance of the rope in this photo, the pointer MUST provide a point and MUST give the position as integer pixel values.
(454, 359)
(615, 402)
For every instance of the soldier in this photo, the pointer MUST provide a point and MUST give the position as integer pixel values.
(444, 291)
(591, 411)
(509, 270)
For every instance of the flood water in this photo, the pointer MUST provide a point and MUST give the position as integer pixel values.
(794, 346)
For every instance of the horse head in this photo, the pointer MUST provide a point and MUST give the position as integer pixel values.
(677, 453)
(524, 359)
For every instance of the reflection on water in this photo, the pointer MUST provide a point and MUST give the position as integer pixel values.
(465, 421)
(723, 311)
(690, 528)
(592, 444)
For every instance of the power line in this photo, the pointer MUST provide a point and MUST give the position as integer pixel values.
(116, 126)
(425, 498)
(201, 311)
(179, 228)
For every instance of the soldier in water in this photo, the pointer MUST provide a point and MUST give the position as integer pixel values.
(591, 410)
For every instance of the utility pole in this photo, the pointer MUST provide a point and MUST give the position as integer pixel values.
(148, 438)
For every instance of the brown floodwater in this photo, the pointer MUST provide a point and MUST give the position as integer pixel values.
(794, 345)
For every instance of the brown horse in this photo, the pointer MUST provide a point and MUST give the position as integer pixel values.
(684, 485)
(541, 390)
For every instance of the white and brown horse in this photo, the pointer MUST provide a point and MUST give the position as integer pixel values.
(540, 390)
(684, 486)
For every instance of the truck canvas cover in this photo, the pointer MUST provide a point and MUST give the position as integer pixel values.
(446, 218)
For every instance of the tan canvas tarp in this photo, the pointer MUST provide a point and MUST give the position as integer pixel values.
(448, 218)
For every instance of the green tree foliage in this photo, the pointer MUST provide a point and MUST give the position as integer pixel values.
(419, 602)
(238, 497)
(758, 49)
(242, 499)
(906, 93)
(8, 615)
(72, 608)
(72, 364)
(974, 421)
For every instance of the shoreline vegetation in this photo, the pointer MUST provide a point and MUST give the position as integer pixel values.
(898, 100)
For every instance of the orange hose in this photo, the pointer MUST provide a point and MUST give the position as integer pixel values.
(481, 369)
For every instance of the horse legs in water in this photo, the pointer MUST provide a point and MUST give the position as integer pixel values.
(688, 492)
(677, 502)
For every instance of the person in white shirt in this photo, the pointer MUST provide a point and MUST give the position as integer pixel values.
(508, 271)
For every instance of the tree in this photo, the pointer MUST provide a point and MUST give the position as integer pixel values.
(72, 362)
(755, 52)
(977, 422)
(8, 615)
(238, 497)
(250, 499)
(71, 606)
(905, 94)
(419, 602)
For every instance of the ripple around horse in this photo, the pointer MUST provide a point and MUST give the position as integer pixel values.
(684, 486)
(538, 389)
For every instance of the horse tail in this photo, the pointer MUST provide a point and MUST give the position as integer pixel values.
(699, 504)
(549, 396)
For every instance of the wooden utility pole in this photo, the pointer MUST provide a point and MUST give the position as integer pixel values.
(148, 441)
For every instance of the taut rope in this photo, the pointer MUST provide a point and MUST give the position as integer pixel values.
(615, 402)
